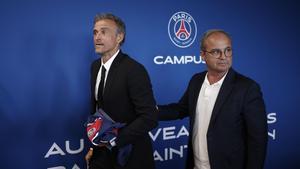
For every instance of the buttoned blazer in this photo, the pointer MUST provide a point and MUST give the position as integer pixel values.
(128, 98)
(237, 131)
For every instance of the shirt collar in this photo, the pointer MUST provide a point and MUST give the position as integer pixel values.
(220, 82)
(110, 60)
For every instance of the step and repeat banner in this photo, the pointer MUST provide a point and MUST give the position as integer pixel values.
(47, 47)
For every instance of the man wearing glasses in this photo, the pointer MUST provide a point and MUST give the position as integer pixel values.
(228, 124)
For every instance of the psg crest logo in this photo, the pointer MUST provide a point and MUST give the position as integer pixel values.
(182, 29)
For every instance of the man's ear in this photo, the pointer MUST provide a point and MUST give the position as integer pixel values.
(120, 37)
(203, 56)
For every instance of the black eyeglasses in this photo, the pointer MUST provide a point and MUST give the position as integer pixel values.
(216, 53)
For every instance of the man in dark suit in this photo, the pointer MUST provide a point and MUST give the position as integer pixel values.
(124, 92)
(228, 124)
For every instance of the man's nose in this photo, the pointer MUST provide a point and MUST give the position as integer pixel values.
(97, 36)
(222, 55)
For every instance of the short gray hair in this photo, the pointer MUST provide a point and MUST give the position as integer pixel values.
(210, 32)
(121, 28)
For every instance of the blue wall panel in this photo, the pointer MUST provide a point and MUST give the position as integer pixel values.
(46, 49)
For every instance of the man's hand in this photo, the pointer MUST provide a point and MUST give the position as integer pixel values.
(88, 156)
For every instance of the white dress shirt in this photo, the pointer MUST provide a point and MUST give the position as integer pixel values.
(107, 67)
(205, 104)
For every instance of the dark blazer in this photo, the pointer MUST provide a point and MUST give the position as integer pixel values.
(127, 98)
(237, 132)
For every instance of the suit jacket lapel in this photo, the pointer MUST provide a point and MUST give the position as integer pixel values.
(222, 96)
(195, 95)
(112, 74)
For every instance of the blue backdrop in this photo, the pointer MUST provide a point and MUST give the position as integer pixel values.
(46, 50)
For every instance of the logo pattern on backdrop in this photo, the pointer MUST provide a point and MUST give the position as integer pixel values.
(182, 29)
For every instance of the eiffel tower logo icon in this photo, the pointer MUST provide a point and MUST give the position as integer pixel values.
(182, 33)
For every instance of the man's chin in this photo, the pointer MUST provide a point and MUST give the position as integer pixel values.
(98, 52)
